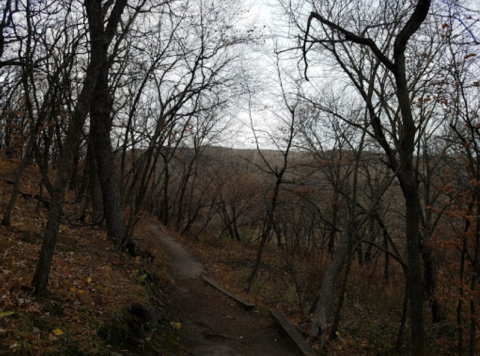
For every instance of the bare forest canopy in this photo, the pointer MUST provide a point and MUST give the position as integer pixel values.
(343, 133)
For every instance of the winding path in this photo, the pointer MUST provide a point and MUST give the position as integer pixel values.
(213, 324)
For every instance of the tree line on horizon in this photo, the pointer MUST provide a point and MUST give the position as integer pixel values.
(372, 152)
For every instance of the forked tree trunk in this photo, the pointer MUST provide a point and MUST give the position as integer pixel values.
(403, 167)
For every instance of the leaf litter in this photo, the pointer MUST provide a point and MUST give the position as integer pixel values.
(90, 283)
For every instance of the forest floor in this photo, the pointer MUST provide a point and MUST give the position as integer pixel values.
(105, 303)
(213, 324)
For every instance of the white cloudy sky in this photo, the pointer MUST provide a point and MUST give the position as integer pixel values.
(266, 15)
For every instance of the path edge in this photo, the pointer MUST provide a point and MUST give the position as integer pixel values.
(243, 303)
(292, 333)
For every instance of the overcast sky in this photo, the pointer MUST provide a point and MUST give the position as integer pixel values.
(266, 16)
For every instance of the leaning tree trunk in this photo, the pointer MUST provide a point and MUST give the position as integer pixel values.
(336, 319)
(72, 141)
(266, 231)
(30, 144)
(408, 182)
(324, 298)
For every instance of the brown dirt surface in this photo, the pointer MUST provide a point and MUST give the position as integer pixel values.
(211, 323)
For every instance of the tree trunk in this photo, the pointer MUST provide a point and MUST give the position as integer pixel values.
(408, 180)
(100, 128)
(166, 202)
(74, 177)
(341, 300)
(403, 167)
(403, 320)
(72, 141)
(28, 152)
(95, 191)
(386, 267)
(438, 316)
(408, 183)
(99, 45)
(414, 272)
(327, 289)
(266, 232)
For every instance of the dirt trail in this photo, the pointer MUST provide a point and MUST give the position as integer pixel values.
(212, 323)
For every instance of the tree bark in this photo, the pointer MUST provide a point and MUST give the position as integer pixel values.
(100, 128)
(341, 300)
(94, 190)
(408, 181)
(26, 158)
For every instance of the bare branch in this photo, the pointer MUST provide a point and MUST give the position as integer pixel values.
(348, 36)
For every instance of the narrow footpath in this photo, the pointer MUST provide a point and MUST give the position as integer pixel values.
(213, 324)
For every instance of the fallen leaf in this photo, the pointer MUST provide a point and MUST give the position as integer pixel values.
(176, 326)
(57, 332)
(6, 314)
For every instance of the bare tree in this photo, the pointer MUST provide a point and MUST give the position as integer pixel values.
(335, 32)
(289, 116)
(180, 96)
(101, 36)
(41, 97)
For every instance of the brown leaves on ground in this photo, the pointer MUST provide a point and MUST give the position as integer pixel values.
(89, 283)
(289, 281)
